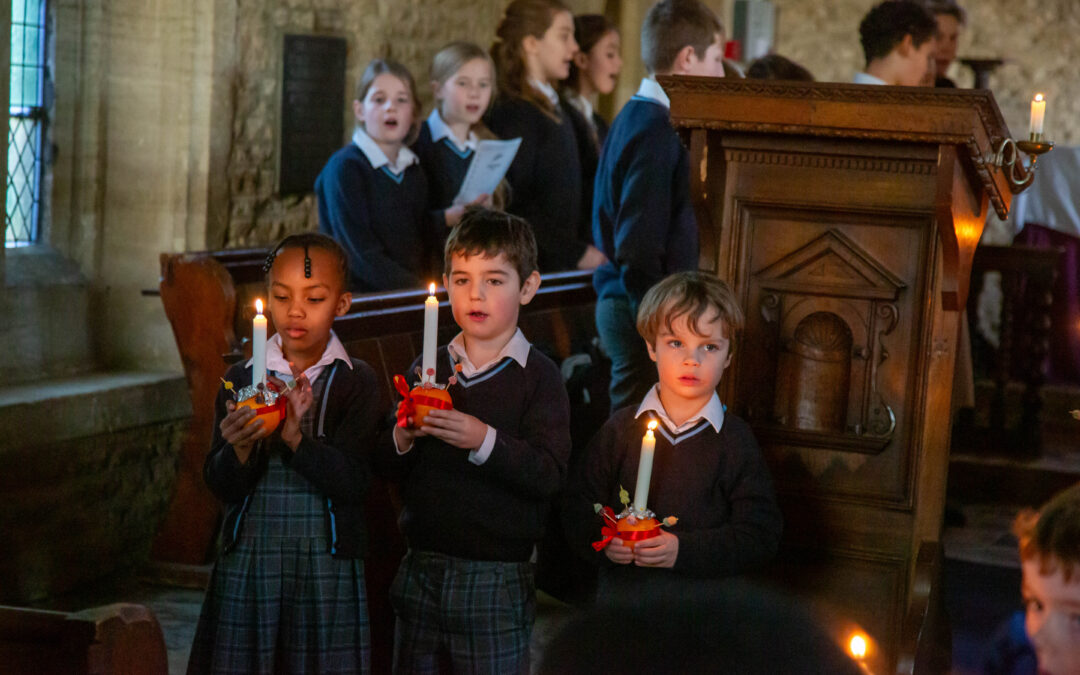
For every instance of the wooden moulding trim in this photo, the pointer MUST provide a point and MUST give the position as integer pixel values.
(977, 138)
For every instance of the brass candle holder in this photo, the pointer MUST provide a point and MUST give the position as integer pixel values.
(1007, 156)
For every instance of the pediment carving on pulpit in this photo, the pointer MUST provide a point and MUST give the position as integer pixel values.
(829, 304)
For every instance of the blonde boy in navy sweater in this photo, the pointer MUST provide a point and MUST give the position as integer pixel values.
(707, 469)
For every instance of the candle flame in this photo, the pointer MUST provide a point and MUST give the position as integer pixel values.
(857, 646)
(431, 289)
(651, 425)
(258, 305)
(1038, 97)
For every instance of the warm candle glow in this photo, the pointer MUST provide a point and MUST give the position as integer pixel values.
(258, 305)
(1038, 114)
(648, 447)
(431, 289)
(858, 646)
(651, 426)
(430, 344)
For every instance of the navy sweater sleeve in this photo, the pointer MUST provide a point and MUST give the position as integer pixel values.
(589, 484)
(337, 465)
(343, 190)
(228, 479)
(645, 206)
(750, 536)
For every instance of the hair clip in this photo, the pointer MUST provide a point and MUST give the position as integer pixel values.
(307, 263)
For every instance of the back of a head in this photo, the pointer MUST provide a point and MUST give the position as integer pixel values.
(671, 25)
(947, 7)
(713, 627)
(776, 67)
(489, 232)
(885, 26)
(1051, 535)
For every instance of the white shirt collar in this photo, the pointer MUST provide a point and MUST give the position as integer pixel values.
(867, 78)
(276, 361)
(378, 158)
(583, 105)
(547, 90)
(652, 90)
(517, 348)
(713, 412)
(440, 130)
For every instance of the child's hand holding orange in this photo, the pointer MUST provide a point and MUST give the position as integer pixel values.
(300, 398)
(238, 433)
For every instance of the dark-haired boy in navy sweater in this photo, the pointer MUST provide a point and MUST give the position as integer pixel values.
(642, 217)
(478, 480)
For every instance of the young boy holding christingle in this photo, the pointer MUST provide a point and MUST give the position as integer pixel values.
(478, 479)
(709, 480)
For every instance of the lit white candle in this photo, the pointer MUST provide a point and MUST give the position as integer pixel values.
(431, 334)
(258, 346)
(644, 470)
(1038, 113)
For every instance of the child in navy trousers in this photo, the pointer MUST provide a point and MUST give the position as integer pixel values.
(478, 480)
(643, 220)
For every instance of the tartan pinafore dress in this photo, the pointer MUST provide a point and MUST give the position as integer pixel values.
(278, 602)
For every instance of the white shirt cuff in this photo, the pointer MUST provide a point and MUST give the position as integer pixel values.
(397, 448)
(480, 455)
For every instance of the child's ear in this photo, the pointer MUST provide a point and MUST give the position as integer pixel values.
(684, 61)
(446, 283)
(529, 45)
(652, 350)
(344, 302)
(581, 60)
(529, 287)
(435, 87)
(358, 109)
(906, 45)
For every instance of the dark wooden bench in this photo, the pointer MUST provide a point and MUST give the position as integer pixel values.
(120, 639)
(1027, 289)
(208, 298)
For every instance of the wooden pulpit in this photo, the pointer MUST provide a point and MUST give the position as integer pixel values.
(845, 218)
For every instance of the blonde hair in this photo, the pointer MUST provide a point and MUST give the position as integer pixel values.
(1052, 534)
(697, 295)
(444, 65)
(522, 19)
(379, 67)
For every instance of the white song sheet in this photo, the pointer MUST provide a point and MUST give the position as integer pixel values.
(489, 165)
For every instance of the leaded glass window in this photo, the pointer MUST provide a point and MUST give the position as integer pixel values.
(26, 121)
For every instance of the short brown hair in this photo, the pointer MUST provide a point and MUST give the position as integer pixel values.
(695, 294)
(389, 67)
(1052, 534)
(671, 25)
(488, 232)
(886, 24)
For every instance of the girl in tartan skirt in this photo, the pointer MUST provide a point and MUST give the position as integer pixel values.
(287, 593)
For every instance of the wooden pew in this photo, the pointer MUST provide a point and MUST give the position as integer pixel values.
(1027, 290)
(208, 298)
(120, 639)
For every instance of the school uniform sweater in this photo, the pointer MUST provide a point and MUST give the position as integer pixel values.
(715, 482)
(642, 218)
(334, 460)
(589, 140)
(545, 178)
(495, 510)
(380, 219)
(444, 164)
